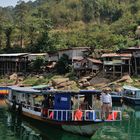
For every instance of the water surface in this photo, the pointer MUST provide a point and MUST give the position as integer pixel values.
(13, 127)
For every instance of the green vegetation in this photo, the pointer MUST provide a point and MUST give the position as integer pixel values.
(50, 25)
(63, 64)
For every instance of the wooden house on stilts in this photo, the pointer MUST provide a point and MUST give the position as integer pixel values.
(116, 64)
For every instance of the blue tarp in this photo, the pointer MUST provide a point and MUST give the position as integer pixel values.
(62, 101)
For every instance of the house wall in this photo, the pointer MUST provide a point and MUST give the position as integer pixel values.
(72, 52)
(13, 64)
(34, 56)
(67, 52)
(53, 58)
(116, 65)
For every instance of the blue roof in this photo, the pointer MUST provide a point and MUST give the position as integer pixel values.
(90, 91)
(4, 88)
(59, 91)
(130, 88)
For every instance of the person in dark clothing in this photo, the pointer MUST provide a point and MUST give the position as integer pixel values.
(14, 103)
(45, 106)
(19, 109)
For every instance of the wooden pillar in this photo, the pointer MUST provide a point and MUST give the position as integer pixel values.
(7, 67)
(136, 72)
(121, 70)
(16, 67)
(113, 71)
(103, 70)
(4, 67)
(129, 67)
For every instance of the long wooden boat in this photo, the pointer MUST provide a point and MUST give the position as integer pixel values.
(61, 109)
(131, 95)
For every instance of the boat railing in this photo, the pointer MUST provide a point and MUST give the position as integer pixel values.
(83, 115)
(35, 108)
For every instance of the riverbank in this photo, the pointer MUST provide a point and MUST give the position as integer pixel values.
(69, 81)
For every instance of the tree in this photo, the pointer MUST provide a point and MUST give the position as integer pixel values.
(45, 43)
(1, 27)
(37, 64)
(87, 10)
(21, 11)
(8, 32)
(62, 65)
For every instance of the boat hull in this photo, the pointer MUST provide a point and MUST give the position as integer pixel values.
(133, 101)
(85, 128)
(116, 98)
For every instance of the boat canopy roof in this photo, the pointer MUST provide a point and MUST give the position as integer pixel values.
(24, 89)
(4, 88)
(60, 92)
(31, 90)
(72, 92)
(90, 91)
(131, 88)
(41, 87)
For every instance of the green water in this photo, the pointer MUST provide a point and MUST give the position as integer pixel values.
(13, 127)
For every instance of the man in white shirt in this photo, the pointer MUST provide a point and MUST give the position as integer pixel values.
(106, 100)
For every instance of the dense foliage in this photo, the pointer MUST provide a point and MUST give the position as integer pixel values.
(49, 25)
(63, 64)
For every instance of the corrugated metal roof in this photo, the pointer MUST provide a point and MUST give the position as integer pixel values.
(38, 54)
(14, 54)
(74, 48)
(131, 88)
(94, 60)
(78, 58)
(117, 55)
(135, 48)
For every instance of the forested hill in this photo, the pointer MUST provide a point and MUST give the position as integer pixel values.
(49, 25)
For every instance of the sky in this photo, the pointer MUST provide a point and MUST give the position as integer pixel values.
(5, 3)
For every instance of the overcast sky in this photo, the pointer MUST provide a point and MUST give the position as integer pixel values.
(5, 3)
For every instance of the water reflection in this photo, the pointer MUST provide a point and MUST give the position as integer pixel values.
(18, 128)
(13, 127)
(127, 129)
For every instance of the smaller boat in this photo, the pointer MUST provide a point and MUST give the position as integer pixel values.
(131, 95)
(3, 92)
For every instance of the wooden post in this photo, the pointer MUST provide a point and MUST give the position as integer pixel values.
(113, 70)
(129, 67)
(4, 68)
(121, 70)
(103, 70)
(16, 67)
(136, 72)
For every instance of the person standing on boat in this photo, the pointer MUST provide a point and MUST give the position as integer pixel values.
(14, 103)
(106, 100)
(45, 106)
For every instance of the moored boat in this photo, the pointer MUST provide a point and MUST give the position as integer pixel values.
(69, 110)
(131, 95)
(3, 92)
(116, 96)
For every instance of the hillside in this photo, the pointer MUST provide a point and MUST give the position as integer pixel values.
(49, 25)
